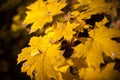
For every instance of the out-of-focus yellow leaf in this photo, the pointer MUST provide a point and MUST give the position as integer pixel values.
(109, 73)
(90, 74)
(92, 7)
(102, 23)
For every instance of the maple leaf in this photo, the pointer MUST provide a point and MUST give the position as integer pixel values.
(85, 9)
(108, 73)
(91, 7)
(101, 42)
(40, 43)
(68, 32)
(45, 65)
(41, 13)
(94, 53)
(63, 30)
(90, 74)
(108, 45)
(24, 55)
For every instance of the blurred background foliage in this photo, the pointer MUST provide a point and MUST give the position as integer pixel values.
(14, 36)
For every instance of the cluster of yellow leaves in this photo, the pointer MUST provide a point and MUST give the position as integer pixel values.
(54, 55)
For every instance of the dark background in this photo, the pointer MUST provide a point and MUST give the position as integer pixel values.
(11, 42)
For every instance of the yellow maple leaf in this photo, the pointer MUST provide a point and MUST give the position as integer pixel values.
(85, 9)
(108, 73)
(68, 31)
(24, 55)
(92, 7)
(44, 66)
(41, 13)
(40, 43)
(64, 30)
(90, 74)
(108, 45)
(101, 42)
(94, 53)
